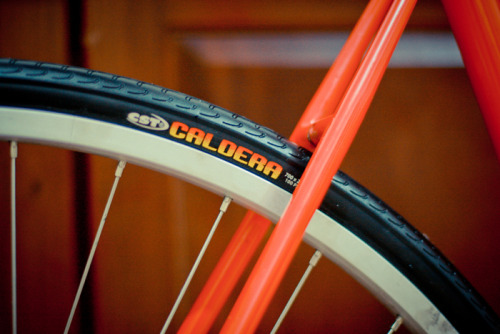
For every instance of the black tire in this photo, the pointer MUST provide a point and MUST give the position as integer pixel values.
(152, 110)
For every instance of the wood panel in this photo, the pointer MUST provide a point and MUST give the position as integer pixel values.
(46, 238)
(33, 30)
(316, 15)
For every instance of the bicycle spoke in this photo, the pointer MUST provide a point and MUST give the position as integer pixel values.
(13, 157)
(395, 326)
(222, 210)
(312, 263)
(118, 174)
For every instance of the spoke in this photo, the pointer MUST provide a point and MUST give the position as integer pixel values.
(13, 157)
(118, 174)
(395, 326)
(223, 208)
(312, 263)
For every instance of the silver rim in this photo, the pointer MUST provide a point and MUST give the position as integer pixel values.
(323, 233)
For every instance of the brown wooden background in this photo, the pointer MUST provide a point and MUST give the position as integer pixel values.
(423, 149)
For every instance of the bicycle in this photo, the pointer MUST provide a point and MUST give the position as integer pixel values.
(194, 136)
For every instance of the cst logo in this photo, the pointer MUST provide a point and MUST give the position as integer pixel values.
(151, 122)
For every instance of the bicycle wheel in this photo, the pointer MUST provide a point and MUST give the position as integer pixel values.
(108, 115)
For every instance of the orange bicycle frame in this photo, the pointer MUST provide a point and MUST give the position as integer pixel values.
(331, 121)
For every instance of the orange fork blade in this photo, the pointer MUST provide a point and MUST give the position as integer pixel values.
(222, 280)
(286, 237)
(226, 274)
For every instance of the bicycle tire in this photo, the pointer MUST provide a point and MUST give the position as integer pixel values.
(37, 98)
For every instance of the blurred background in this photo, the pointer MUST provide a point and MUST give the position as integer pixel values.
(423, 149)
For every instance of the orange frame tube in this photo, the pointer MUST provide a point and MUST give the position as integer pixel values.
(286, 237)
